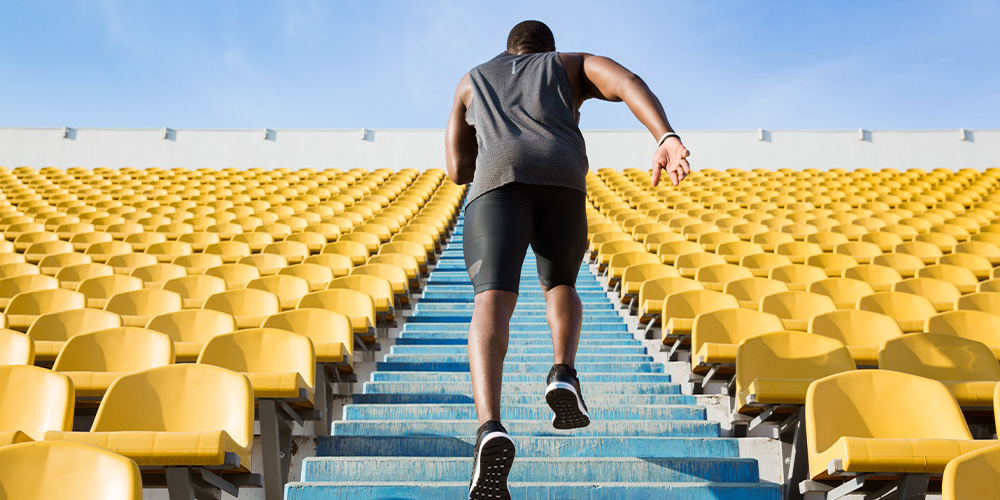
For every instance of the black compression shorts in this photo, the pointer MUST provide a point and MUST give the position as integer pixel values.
(500, 224)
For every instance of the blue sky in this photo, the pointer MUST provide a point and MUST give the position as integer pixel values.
(716, 65)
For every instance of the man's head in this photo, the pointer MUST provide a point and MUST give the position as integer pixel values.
(530, 37)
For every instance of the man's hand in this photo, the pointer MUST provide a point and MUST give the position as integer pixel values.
(671, 156)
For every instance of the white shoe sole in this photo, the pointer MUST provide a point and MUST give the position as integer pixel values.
(567, 406)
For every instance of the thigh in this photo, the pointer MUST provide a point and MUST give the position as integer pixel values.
(495, 238)
(560, 237)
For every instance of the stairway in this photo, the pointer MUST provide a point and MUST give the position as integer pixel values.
(410, 435)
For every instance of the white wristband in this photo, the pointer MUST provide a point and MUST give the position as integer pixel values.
(666, 136)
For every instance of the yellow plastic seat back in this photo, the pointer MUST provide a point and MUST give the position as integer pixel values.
(325, 328)
(358, 306)
(796, 308)
(797, 276)
(876, 405)
(180, 398)
(845, 292)
(289, 289)
(980, 301)
(263, 351)
(910, 311)
(974, 325)
(396, 275)
(123, 349)
(248, 305)
(940, 357)
(783, 355)
(34, 400)
(972, 476)
(729, 327)
(141, 305)
(861, 331)
(67, 470)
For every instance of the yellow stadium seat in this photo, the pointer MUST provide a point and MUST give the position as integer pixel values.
(358, 252)
(194, 289)
(904, 264)
(99, 289)
(104, 250)
(38, 251)
(128, 262)
(681, 308)
(669, 251)
(153, 276)
(236, 276)
(358, 306)
(200, 240)
(230, 251)
(796, 308)
(341, 265)
(979, 266)
(881, 278)
(861, 251)
(9, 287)
(831, 263)
(266, 263)
(50, 331)
(33, 400)
(910, 311)
(943, 241)
(329, 331)
(775, 369)
(167, 251)
(136, 307)
(621, 260)
(761, 264)
(877, 421)
(371, 241)
(716, 276)
(733, 251)
(845, 292)
(316, 275)
(980, 301)
(410, 248)
(25, 307)
(255, 240)
(94, 360)
(396, 275)
(652, 293)
(967, 367)
(633, 276)
(926, 252)
(688, 264)
(885, 240)
(989, 251)
(289, 289)
(749, 291)
(942, 294)
(197, 263)
(176, 416)
(191, 328)
(52, 264)
(248, 306)
(713, 240)
(67, 470)
(279, 363)
(716, 334)
(13, 269)
(797, 276)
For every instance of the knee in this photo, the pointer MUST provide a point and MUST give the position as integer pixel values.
(496, 301)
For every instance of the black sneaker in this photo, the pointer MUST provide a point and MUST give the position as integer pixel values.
(492, 462)
(563, 396)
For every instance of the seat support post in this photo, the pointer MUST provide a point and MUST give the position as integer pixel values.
(276, 441)
(798, 464)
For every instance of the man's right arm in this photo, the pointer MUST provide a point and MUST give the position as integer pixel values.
(460, 146)
(605, 79)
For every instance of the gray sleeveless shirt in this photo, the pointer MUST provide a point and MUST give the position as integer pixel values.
(523, 108)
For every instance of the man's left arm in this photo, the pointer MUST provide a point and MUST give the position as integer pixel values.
(461, 148)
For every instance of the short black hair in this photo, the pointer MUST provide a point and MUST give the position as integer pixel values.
(534, 36)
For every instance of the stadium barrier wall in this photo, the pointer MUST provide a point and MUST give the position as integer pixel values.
(422, 149)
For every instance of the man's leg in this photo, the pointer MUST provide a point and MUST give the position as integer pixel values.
(564, 313)
(488, 337)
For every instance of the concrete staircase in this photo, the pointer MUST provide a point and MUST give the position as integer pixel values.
(410, 435)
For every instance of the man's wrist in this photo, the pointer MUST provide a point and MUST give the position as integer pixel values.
(664, 137)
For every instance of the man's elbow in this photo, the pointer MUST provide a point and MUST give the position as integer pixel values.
(458, 173)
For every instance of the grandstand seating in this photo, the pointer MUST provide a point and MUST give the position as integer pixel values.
(893, 251)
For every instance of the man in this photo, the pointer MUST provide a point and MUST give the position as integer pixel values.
(514, 130)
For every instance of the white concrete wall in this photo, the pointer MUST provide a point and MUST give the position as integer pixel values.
(422, 149)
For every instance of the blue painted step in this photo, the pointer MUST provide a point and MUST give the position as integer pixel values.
(519, 491)
(538, 387)
(517, 412)
(540, 366)
(612, 470)
(634, 428)
(514, 327)
(526, 399)
(590, 381)
(518, 349)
